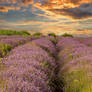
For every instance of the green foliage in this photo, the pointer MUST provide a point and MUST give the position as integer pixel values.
(37, 34)
(4, 49)
(71, 56)
(25, 33)
(13, 32)
(1, 59)
(52, 34)
(45, 64)
(55, 40)
(77, 81)
(67, 35)
(3, 84)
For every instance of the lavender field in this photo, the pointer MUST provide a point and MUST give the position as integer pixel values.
(45, 64)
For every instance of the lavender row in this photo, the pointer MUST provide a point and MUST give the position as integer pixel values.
(75, 61)
(71, 49)
(29, 68)
(9, 42)
(87, 41)
(14, 40)
(46, 44)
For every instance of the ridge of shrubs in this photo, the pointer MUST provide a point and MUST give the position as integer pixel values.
(46, 63)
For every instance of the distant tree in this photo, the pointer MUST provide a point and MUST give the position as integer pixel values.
(37, 34)
(14, 32)
(26, 33)
(67, 35)
(52, 34)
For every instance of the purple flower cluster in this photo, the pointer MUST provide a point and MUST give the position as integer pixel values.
(65, 42)
(14, 40)
(75, 60)
(82, 62)
(29, 69)
(72, 49)
(46, 44)
(87, 41)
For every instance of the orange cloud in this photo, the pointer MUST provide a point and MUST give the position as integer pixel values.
(60, 31)
(71, 8)
(17, 1)
(63, 3)
(7, 8)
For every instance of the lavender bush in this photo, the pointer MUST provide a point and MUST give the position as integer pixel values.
(29, 69)
(14, 40)
(9, 42)
(71, 51)
(46, 44)
(87, 41)
(75, 61)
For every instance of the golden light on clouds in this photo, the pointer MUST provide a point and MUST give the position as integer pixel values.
(7, 8)
(76, 9)
(58, 16)
(58, 4)
(71, 8)
(60, 31)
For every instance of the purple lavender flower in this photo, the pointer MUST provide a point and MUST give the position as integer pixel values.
(29, 69)
(46, 44)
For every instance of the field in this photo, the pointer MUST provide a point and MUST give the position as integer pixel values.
(45, 63)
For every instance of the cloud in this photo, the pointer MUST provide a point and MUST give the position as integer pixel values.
(7, 5)
(17, 1)
(7, 8)
(73, 8)
(47, 15)
(63, 3)
(76, 9)
(59, 31)
(83, 11)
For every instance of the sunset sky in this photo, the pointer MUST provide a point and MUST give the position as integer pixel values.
(58, 16)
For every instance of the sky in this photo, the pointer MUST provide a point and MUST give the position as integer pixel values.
(58, 16)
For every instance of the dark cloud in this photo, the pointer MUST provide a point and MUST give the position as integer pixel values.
(1, 7)
(16, 1)
(74, 8)
(82, 11)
